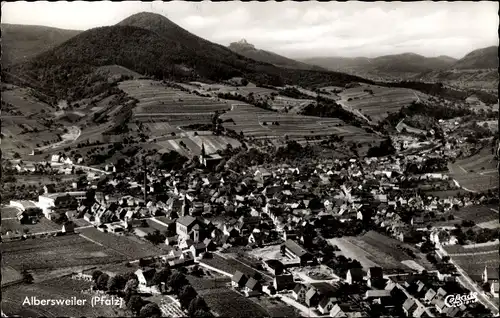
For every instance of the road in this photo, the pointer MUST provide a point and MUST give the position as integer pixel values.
(468, 283)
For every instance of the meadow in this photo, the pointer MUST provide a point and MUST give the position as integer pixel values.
(374, 249)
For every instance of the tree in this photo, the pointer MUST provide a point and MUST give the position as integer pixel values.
(186, 295)
(116, 283)
(95, 275)
(131, 285)
(150, 310)
(198, 303)
(102, 281)
(135, 304)
(162, 276)
(176, 281)
(27, 277)
(203, 313)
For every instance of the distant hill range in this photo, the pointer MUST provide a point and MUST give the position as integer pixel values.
(476, 69)
(396, 65)
(22, 42)
(151, 44)
(485, 58)
(248, 50)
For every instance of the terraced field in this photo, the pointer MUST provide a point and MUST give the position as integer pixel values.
(258, 123)
(258, 92)
(476, 173)
(193, 144)
(158, 103)
(383, 100)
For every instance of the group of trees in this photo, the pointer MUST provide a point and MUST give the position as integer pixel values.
(328, 108)
(384, 149)
(126, 286)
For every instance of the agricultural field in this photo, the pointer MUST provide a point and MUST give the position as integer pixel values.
(116, 71)
(226, 302)
(159, 103)
(491, 124)
(55, 252)
(59, 288)
(383, 100)
(23, 134)
(10, 275)
(258, 92)
(476, 173)
(293, 105)
(267, 252)
(14, 227)
(22, 101)
(374, 249)
(483, 248)
(276, 308)
(8, 212)
(473, 264)
(129, 248)
(258, 123)
(191, 145)
(477, 213)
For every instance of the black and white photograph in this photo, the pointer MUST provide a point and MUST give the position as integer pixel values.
(249, 159)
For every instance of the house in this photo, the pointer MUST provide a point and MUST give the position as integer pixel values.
(189, 227)
(429, 295)
(185, 244)
(274, 266)
(347, 310)
(210, 244)
(312, 297)
(283, 282)
(145, 276)
(377, 294)
(299, 292)
(409, 306)
(89, 217)
(354, 276)
(326, 304)
(317, 292)
(256, 238)
(490, 275)
(197, 249)
(375, 277)
(68, 227)
(238, 279)
(252, 287)
(293, 250)
(172, 240)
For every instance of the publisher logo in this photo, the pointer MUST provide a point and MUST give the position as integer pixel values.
(459, 300)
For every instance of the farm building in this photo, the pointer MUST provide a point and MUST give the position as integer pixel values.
(63, 200)
(28, 213)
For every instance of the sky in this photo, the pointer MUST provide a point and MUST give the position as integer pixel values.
(296, 29)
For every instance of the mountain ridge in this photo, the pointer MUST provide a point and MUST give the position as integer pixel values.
(153, 45)
(249, 50)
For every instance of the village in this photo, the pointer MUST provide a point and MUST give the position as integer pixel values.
(286, 233)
